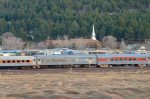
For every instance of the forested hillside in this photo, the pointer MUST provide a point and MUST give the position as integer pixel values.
(128, 19)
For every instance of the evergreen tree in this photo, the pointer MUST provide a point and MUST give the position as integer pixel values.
(128, 19)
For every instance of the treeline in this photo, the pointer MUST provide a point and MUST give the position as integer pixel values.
(39, 19)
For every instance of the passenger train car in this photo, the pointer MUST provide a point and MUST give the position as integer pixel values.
(66, 60)
(82, 60)
(123, 59)
(17, 61)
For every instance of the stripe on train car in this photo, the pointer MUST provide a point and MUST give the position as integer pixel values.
(121, 59)
(141, 59)
(103, 59)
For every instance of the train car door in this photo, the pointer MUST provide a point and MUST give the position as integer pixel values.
(38, 62)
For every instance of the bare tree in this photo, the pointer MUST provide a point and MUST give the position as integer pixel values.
(148, 45)
(59, 42)
(80, 44)
(66, 42)
(9, 41)
(63, 41)
(48, 43)
(109, 42)
(122, 45)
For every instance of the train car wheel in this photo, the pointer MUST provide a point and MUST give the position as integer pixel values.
(110, 66)
(25, 68)
(141, 65)
(38, 67)
(34, 67)
(44, 67)
(104, 65)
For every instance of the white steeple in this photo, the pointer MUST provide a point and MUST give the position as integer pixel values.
(93, 37)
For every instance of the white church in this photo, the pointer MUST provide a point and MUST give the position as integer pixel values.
(93, 37)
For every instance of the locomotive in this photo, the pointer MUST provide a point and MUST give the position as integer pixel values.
(82, 60)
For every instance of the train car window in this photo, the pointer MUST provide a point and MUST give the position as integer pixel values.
(125, 58)
(39, 59)
(30, 61)
(18, 61)
(120, 59)
(8, 61)
(23, 61)
(144, 58)
(27, 61)
(134, 58)
(116, 59)
(3, 61)
(130, 59)
(112, 59)
(13, 61)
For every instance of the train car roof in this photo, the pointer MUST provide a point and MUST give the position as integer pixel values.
(63, 55)
(16, 57)
(124, 55)
(99, 55)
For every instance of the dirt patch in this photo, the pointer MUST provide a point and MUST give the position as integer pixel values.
(97, 95)
(18, 95)
(72, 92)
(58, 97)
(48, 91)
(135, 90)
(113, 92)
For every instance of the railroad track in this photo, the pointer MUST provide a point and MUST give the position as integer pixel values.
(65, 70)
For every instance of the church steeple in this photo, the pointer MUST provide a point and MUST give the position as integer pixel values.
(93, 34)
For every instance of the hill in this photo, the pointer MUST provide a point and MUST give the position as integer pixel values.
(128, 19)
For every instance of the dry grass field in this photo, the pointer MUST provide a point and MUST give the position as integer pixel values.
(76, 85)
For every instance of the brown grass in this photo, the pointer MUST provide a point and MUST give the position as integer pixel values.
(76, 85)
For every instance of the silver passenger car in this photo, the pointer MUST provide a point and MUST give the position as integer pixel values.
(65, 59)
